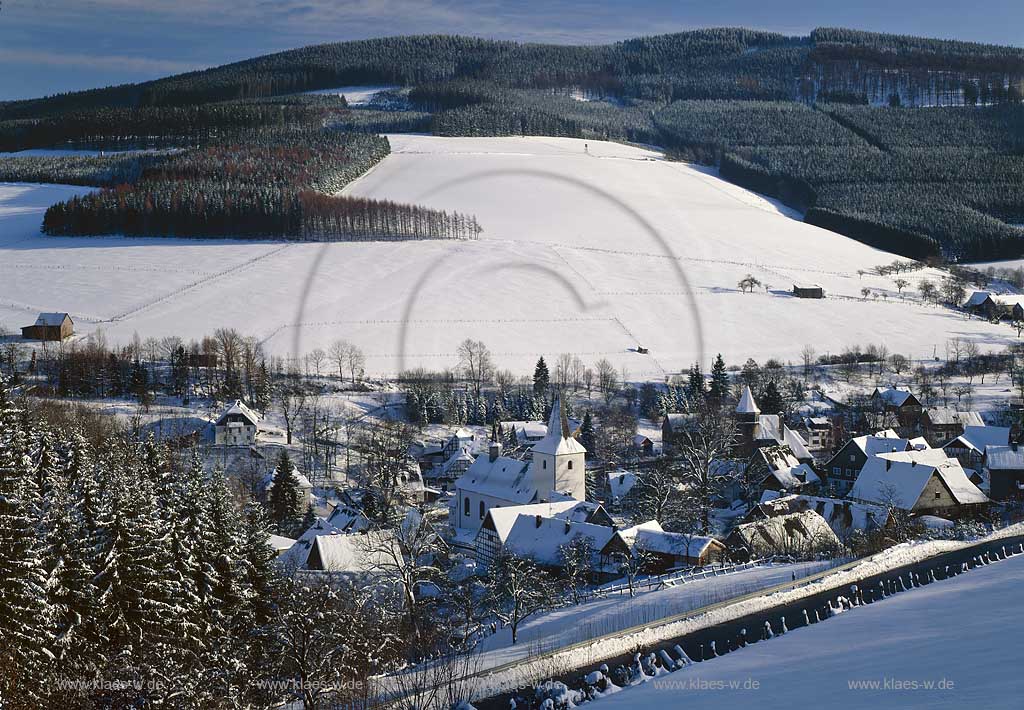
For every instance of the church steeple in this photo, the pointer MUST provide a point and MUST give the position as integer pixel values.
(559, 460)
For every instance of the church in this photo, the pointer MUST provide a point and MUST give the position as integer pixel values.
(556, 471)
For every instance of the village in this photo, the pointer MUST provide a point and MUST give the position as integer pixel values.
(526, 495)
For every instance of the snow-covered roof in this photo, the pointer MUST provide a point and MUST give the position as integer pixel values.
(620, 483)
(843, 516)
(946, 416)
(1008, 299)
(875, 445)
(804, 531)
(977, 298)
(639, 440)
(795, 442)
(51, 319)
(795, 477)
(502, 519)
(978, 437)
(933, 457)
(651, 537)
(280, 543)
(893, 396)
(895, 479)
(298, 552)
(503, 478)
(354, 553)
(1004, 457)
(240, 409)
(747, 405)
(540, 538)
(348, 519)
(559, 439)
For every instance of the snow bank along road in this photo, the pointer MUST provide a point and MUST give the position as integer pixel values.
(588, 248)
(717, 620)
(951, 644)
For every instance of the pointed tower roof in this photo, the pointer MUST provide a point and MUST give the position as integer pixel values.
(559, 439)
(747, 404)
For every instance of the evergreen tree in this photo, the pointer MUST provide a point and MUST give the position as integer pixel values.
(24, 637)
(588, 435)
(284, 495)
(772, 400)
(695, 387)
(718, 391)
(541, 377)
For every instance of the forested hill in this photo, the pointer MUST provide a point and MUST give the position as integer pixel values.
(911, 144)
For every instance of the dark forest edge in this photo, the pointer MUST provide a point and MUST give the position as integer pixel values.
(822, 122)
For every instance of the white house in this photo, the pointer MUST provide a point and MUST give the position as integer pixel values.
(236, 426)
(556, 471)
(917, 481)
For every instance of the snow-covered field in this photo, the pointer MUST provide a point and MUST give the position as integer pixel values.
(590, 248)
(958, 636)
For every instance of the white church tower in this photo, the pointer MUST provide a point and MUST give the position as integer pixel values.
(559, 461)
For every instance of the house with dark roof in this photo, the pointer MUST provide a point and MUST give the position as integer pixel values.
(49, 327)
(843, 468)
(900, 402)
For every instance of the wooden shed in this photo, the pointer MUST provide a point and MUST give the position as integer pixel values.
(808, 291)
(49, 326)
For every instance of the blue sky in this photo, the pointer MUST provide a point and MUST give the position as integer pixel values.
(49, 46)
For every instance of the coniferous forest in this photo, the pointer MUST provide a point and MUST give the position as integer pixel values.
(910, 144)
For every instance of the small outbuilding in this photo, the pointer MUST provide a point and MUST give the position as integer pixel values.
(50, 327)
(808, 291)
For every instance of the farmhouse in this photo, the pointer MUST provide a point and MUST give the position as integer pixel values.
(969, 447)
(944, 423)
(1005, 465)
(843, 468)
(776, 468)
(237, 426)
(497, 525)
(808, 291)
(556, 471)
(669, 550)
(933, 487)
(798, 534)
(49, 327)
(843, 516)
(901, 402)
(995, 306)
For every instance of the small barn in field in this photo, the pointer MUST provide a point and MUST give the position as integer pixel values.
(808, 291)
(50, 327)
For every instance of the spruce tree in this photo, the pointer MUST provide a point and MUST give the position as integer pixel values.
(24, 636)
(541, 377)
(718, 391)
(588, 435)
(284, 495)
(772, 400)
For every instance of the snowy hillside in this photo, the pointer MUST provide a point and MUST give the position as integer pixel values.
(934, 635)
(588, 248)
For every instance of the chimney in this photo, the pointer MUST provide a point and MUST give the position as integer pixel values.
(1014, 447)
(913, 462)
(494, 451)
(538, 520)
(888, 464)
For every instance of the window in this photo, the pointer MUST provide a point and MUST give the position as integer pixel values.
(570, 465)
(544, 463)
(837, 471)
(481, 510)
(465, 507)
(852, 458)
(938, 494)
